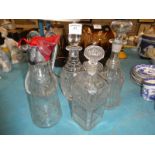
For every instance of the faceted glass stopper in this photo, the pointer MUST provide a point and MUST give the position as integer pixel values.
(121, 26)
(94, 53)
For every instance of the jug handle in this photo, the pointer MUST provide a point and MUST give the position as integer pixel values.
(54, 56)
(26, 81)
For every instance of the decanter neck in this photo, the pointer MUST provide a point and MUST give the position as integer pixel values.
(114, 56)
(91, 68)
(114, 61)
(73, 56)
(73, 62)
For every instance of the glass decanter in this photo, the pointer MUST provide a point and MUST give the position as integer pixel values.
(70, 70)
(74, 36)
(73, 65)
(89, 91)
(41, 88)
(112, 71)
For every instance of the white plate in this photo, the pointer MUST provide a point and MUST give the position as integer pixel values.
(144, 70)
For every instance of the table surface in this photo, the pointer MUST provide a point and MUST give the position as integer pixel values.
(133, 116)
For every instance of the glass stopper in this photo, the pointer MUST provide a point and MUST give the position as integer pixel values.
(94, 53)
(121, 26)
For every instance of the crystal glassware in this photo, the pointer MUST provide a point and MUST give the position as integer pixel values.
(112, 70)
(41, 88)
(73, 65)
(70, 70)
(89, 91)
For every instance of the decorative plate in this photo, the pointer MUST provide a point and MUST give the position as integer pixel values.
(144, 70)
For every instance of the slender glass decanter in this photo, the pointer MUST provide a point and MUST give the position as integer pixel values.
(89, 91)
(113, 71)
(73, 65)
(41, 88)
(70, 70)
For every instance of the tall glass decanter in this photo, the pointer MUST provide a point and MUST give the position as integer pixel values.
(70, 70)
(73, 65)
(41, 89)
(89, 91)
(113, 71)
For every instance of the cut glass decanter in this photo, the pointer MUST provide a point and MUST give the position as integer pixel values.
(70, 70)
(89, 91)
(112, 71)
(73, 65)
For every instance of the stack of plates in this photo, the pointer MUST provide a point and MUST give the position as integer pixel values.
(141, 72)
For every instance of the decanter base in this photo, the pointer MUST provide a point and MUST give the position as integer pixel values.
(86, 119)
(111, 105)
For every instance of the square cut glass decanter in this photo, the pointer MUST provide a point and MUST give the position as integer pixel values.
(89, 91)
(72, 67)
(112, 70)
